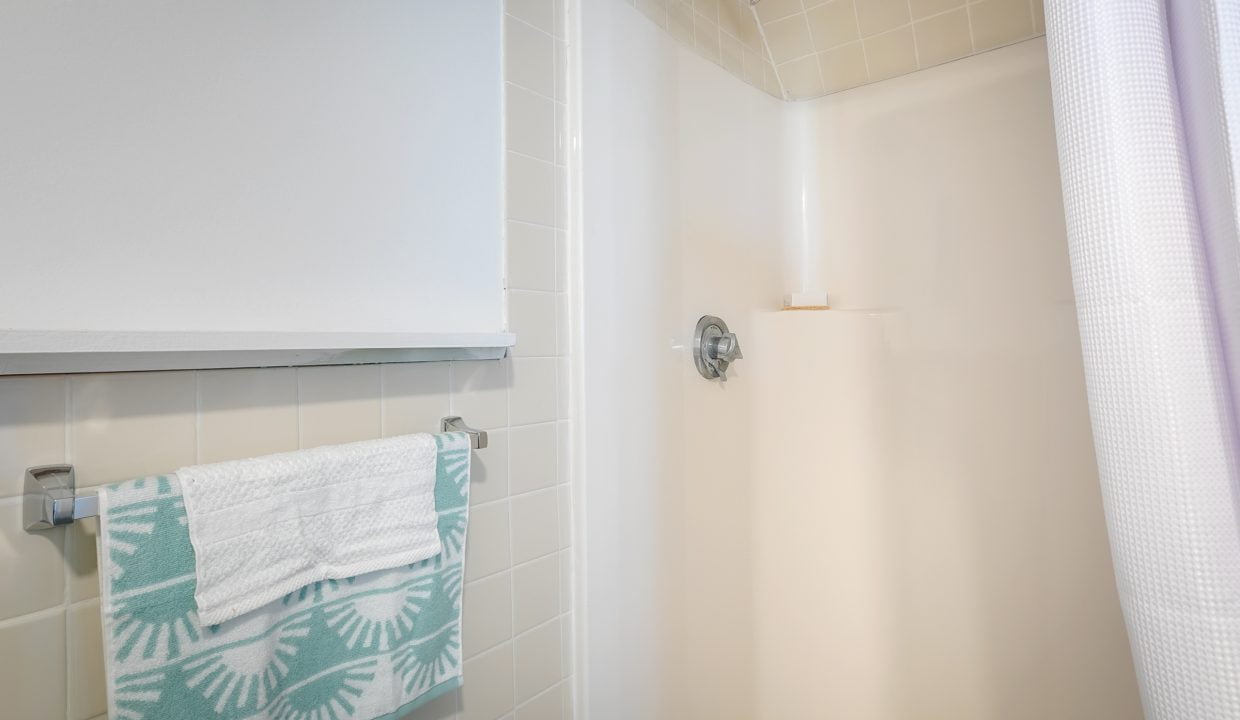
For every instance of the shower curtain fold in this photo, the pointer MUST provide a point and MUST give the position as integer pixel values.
(1145, 95)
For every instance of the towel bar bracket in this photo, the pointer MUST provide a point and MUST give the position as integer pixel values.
(477, 438)
(50, 496)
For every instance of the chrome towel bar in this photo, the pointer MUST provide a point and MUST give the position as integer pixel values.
(50, 495)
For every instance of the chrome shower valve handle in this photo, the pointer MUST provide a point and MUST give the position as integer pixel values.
(714, 348)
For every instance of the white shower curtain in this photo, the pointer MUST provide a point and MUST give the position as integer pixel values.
(1147, 113)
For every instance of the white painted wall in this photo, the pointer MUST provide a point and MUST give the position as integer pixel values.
(232, 166)
(678, 209)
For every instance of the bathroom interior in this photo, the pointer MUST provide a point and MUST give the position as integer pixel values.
(770, 314)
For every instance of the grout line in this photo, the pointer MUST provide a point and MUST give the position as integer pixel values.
(554, 686)
(513, 566)
(531, 91)
(766, 47)
(68, 546)
(532, 157)
(297, 401)
(382, 401)
(197, 417)
(35, 616)
(777, 19)
(512, 601)
(968, 14)
(529, 24)
(912, 31)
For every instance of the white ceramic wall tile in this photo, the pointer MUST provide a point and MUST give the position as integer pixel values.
(565, 504)
(561, 261)
(530, 125)
(537, 655)
(416, 396)
(443, 707)
(563, 331)
(535, 525)
(32, 427)
(529, 57)
(535, 593)
(487, 617)
(546, 706)
(561, 198)
(32, 565)
(81, 561)
(532, 316)
(87, 694)
(488, 473)
(480, 392)
(487, 550)
(539, 13)
(564, 407)
(532, 458)
(488, 693)
(339, 404)
(560, 48)
(531, 257)
(32, 684)
(530, 190)
(244, 413)
(127, 425)
(533, 397)
(566, 585)
(563, 451)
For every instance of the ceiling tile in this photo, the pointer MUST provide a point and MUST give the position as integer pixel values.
(769, 10)
(833, 23)
(801, 78)
(926, 8)
(876, 16)
(789, 38)
(843, 67)
(709, 8)
(1000, 22)
(943, 37)
(736, 19)
(891, 54)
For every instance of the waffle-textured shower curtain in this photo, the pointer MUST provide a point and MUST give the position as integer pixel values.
(1147, 114)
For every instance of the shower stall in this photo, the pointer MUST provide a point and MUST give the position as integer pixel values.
(890, 510)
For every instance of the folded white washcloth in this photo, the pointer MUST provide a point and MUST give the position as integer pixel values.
(264, 527)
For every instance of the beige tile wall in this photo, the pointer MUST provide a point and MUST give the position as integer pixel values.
(810, 48)
(517, 622)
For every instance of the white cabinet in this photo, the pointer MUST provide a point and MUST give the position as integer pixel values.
(208, 184)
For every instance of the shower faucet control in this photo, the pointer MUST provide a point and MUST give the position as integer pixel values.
(714, 348)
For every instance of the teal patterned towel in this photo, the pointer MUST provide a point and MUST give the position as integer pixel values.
(372, 646)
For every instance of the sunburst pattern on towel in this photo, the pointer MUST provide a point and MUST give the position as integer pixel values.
(370, 646)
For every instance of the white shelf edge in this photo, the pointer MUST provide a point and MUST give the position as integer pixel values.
(52, 352)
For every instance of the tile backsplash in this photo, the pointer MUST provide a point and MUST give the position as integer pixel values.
(809, 48)
(517, 624)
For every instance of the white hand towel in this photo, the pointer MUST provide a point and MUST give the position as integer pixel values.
(264, 527)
